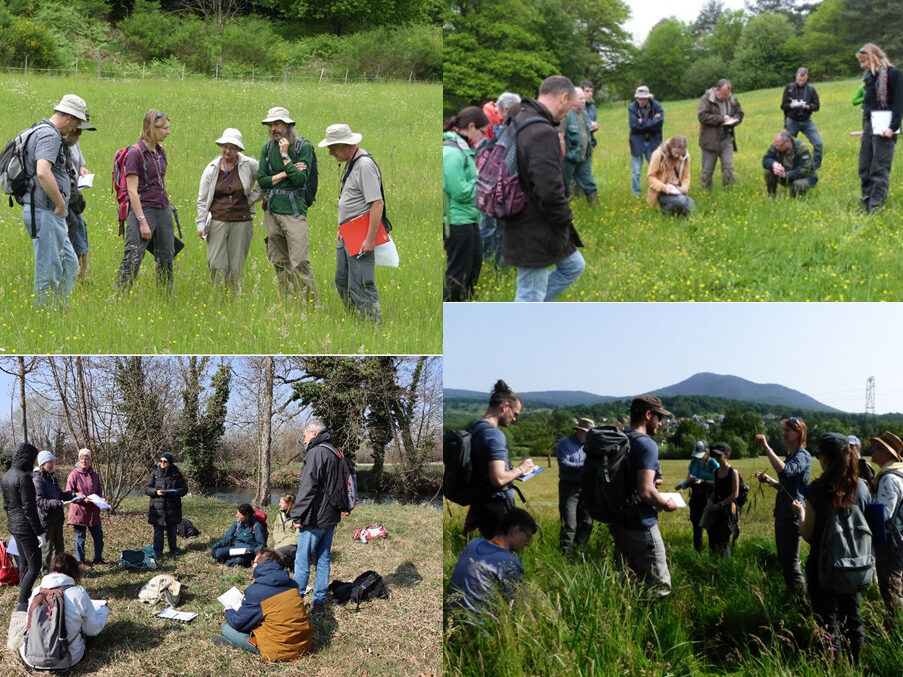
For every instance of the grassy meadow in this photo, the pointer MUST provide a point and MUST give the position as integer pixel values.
(739, 245)
(397, 123)
(396, 636)
(725, 616)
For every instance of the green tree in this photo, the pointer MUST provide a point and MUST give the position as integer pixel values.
(200, 431)
(826, 41)
(724, 38)
(766, 53)
(665, 57)
(707, 18)
(341, 15)
(685, 436)
(878, 21)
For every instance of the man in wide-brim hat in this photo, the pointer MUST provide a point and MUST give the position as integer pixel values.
(361, 194)
(886, 452)
(286, 167)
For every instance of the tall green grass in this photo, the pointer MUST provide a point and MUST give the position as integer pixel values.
(739, 246)
(582, 615)
(396, 122)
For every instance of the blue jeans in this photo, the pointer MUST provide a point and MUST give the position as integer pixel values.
(239, 639)
(545, 284)
(81, 535)
(80, 239)
(807, 127)
(636, 166)
(55, 263)
(221, 555)
(314, 544)
(491, 233)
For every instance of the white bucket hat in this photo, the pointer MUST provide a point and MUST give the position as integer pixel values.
(275, 114)
(73, 105)
(233, 136)
(336, 134)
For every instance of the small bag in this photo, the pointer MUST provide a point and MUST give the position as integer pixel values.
(709, 518)
(374, 531)
(161, 588)
(138, 559)
(9, 574)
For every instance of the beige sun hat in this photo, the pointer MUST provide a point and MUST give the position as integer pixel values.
(336, 134)
(277, 113)
(73, 105)
(233, 136)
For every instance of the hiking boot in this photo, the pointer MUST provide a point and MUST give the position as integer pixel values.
(98, 561)
(219, 640)
(177, 551)
(86, 564)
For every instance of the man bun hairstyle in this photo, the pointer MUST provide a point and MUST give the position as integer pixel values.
(501, 393)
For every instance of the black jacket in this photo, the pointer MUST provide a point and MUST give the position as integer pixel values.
(805, 93)
(165, 510)
(319, 474)
(543, 233)
(894, 101)
(18, 493)
(49, 498)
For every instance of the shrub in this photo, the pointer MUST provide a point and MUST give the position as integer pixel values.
(23, 37)
(397, 51)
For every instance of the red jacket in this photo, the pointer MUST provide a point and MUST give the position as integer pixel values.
(82, 481)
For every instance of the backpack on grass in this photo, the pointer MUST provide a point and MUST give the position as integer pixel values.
(138, 559)
(161, 589)
(46, 640)
(846, 563)
(369, 585)
(374, 531)
(186, 529)
(9, 575)
(500, 192)
(609, 485)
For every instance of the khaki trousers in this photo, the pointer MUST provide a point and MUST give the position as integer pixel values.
(287, 250)
(228, 244)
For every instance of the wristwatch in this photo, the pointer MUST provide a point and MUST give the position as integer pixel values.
(141, 218)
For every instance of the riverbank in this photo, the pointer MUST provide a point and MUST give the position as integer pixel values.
(400, 635)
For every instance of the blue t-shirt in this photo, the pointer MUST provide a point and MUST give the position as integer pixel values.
(483, 570)
(571, 458)
(46, 143)
(643, 456)
(704, 471)
(793, 478)
(489, 444)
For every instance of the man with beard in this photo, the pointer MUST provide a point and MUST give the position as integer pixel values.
(285, 169)
(78, 229)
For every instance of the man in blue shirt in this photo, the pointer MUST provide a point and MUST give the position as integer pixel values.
(488, 568)
(638, 541)
(575, 519)
(493, 473)
(793, 475)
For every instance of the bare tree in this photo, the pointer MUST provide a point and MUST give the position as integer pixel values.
(215, 12)
(23, 368)
(265, 431)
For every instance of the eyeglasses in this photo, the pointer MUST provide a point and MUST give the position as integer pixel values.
(862, 51)
(163, 460)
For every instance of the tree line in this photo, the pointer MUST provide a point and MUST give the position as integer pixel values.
(490, 48)
(237, 37)
(226, 419)
(733, 422)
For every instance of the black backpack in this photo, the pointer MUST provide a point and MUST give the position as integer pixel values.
(609, 483)
(186, 529)
(369, 585)
(744, 492)
(313, 179)
(457, 476)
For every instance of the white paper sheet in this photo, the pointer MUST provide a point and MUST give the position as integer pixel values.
(99, 502)
(173, 615)
(86, 181)
(234, 552)
(231, 598)
(677, 498)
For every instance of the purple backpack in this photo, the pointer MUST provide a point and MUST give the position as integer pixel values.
(500, 193)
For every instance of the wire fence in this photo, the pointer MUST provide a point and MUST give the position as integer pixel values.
(110, 71)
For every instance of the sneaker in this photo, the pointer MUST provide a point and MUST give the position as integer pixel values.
(178, 551)
(219, 640)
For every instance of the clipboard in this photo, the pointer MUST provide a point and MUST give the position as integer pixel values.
(354, 231)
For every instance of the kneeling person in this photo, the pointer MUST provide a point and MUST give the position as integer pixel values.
(489, 567)
(669, 178)
(246, 532)
(789, 163)
(271, 620)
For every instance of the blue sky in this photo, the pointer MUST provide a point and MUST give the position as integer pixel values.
(825, 350)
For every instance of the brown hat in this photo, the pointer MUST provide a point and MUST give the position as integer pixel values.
(652, 402)
(584, 424)
(890, 442)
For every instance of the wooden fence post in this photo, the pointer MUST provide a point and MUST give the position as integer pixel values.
(76, 68)
(99, 61)
(252, 75)
(26, 65)
(216, 77)
(322, 70)
(376, 77)
(346, 76)
(183, 71)
(143, 69)
(285, 75)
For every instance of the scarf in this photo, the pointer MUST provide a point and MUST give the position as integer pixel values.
(896, 466)
(881, 87)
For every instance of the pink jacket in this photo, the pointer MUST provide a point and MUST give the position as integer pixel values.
(85, 482)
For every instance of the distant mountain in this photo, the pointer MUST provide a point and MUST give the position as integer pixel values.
(736, 388)
(535, 400)
(702, 384)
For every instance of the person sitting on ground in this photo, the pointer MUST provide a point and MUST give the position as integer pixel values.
(271, 620)
(669, 178)
(489, 567)
(245, 532)
(285, 534)
(82, 618)
(788, 162)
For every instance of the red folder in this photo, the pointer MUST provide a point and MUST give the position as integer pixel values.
(354, 232)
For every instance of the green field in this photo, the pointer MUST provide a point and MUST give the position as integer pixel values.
(725, 616)
(739, 246)
(396, 120)
(395, 636)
